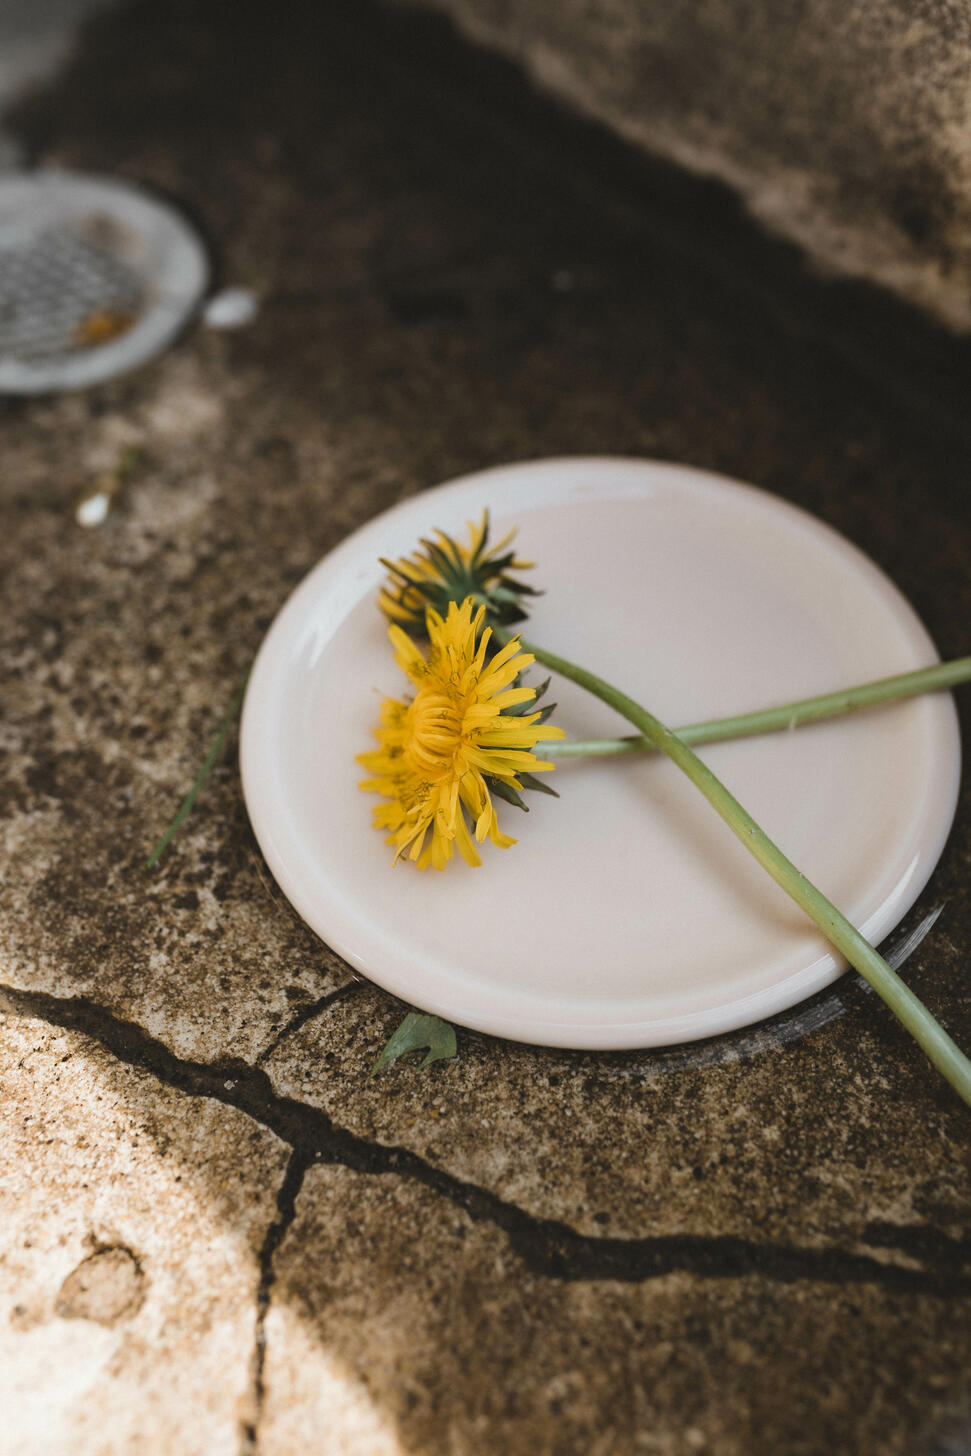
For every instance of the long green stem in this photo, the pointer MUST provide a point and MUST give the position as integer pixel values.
(783, 717)
(928, 1033)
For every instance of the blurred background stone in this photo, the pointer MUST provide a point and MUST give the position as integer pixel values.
(844, 125)
(752, 1246)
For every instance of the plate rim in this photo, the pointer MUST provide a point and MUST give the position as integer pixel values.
(603, 1035)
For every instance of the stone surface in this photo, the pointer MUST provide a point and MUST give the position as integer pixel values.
(105, 1287)
(674, 1362)
(756, 1244)
(686, 1145)
(131, 1224)
(844, 125)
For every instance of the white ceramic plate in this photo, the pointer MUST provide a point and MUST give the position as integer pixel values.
(627, 915)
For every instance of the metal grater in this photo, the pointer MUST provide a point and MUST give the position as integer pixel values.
(96, 277)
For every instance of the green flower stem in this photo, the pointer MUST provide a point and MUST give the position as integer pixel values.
(782, 718)
(910, 1010)
(185, 808)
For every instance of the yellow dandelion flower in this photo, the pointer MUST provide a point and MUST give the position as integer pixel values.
(445, 571)
(464, 730)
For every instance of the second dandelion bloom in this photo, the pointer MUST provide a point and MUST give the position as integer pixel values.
(442, 570)
(464, 736)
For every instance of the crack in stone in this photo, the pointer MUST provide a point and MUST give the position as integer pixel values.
(546, 1246)
(926, 1245)
(286, 1206)
(305, 1014)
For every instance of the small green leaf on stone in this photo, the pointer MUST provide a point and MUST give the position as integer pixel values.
(415, 1032)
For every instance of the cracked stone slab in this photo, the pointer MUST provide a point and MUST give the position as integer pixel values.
(434, 1337)
(685, 1145)
(383, 1284)
(436, 295)
(915, 1258)
(131, 1222)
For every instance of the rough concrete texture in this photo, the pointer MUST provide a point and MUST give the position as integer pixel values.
(132, 1219)
(666, 1363)
(844, 126)
(215, 1228)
